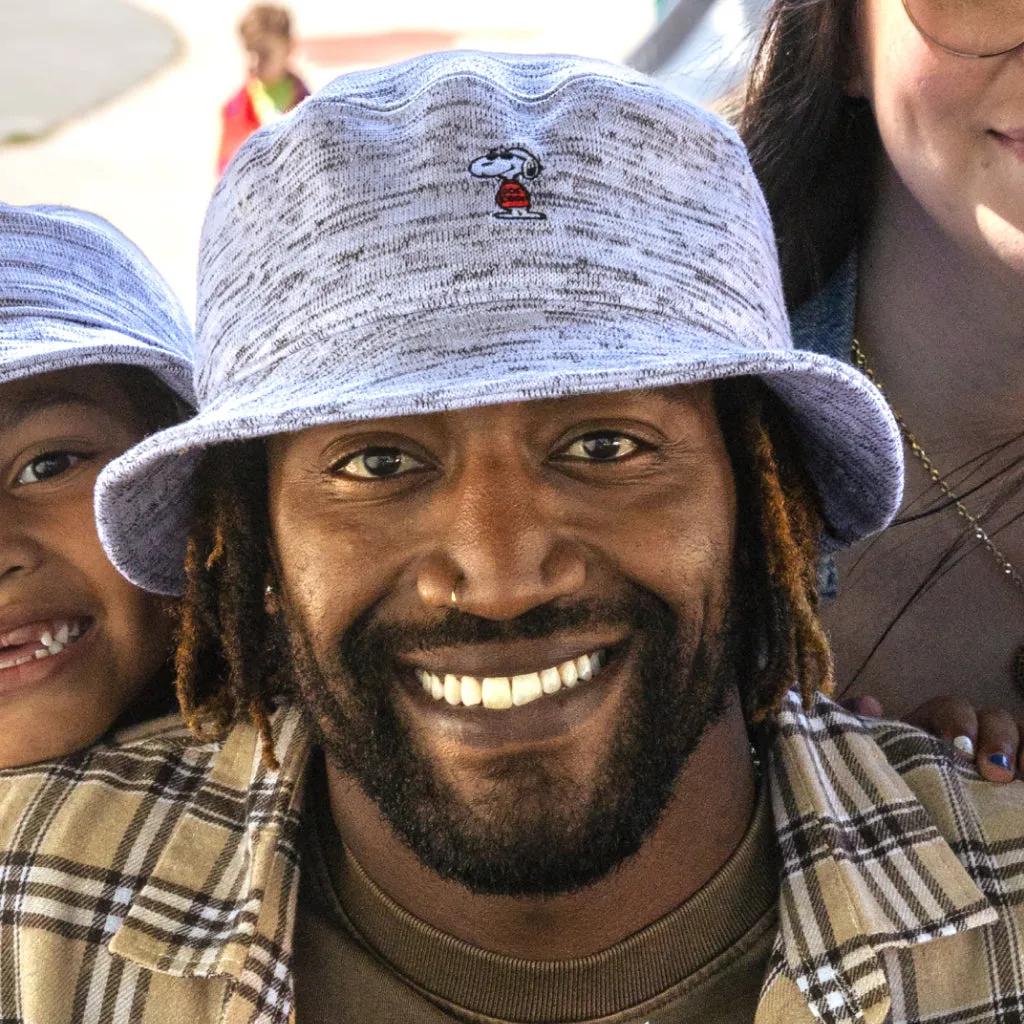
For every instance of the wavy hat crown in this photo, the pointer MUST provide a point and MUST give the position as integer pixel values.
(74, 291)
(371, 220)
(466, 229)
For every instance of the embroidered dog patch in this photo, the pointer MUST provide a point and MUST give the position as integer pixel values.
(511, 166)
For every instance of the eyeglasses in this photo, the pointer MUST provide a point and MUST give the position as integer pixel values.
(969, 28)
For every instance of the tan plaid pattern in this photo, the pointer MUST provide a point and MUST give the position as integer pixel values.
(153, 879)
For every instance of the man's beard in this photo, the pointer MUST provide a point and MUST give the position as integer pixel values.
(537, 831)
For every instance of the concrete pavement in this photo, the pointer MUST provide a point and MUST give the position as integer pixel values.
(60, 59)
(146, 160)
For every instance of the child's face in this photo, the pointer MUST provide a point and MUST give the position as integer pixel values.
(268, 57)
(78, 642)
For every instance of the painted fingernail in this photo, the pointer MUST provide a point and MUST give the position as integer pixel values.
(1000, 761)
(965, 745)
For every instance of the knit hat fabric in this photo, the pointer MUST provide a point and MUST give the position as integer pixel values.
(75, 292)
(464, 229)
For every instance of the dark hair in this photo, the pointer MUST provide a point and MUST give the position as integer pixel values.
(265, 20)
(813, 148)
(224, 673)
(153, 401)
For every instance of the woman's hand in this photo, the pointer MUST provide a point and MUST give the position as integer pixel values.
(990, 737)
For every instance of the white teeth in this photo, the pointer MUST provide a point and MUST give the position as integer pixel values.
(452, 690)
(76, 630)
(46, 639)
(24, 659)
(567, 672)
(472, 691)
(497, 693)
(63, 634)
(526, 688)
(550, 681)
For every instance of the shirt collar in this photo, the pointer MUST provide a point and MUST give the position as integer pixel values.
(864, 867)
(222, 891)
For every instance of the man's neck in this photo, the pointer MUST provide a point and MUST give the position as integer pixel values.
(942, 327)
(702, 826)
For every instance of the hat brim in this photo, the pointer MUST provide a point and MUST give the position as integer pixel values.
(66, 348)
(849, 437)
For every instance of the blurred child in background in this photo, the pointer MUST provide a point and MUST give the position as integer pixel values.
(272, 88)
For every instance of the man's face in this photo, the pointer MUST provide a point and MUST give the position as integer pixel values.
(573, 532)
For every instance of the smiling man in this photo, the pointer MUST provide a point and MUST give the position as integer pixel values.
(498, 542)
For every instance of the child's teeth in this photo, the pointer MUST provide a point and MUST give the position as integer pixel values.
(55, 647)
(526, 688)
(47, 638)
(76, 630)
(497, 693)
(63, 634)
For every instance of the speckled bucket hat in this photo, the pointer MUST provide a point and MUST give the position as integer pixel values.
(75, 292)
(464, 229)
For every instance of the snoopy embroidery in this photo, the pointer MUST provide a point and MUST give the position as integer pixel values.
(511, 165)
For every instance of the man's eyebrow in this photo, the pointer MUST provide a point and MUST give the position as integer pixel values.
(13, 413)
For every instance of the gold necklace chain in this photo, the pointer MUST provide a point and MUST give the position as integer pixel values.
(977, 530)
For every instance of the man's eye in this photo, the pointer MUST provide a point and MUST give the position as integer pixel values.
(602, 446)
(378, 464)
(48, 466)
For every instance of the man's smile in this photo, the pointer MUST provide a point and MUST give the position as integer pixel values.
(514, 698)
(502, 692)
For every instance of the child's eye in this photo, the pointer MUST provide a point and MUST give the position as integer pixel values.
(378, 464)
(601, 446)
(48, 466)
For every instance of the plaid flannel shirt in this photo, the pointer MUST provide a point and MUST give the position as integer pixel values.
(154, 878)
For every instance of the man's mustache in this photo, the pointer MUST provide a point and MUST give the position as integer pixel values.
(368, 637)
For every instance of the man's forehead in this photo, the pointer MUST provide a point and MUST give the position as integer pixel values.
(695, 397)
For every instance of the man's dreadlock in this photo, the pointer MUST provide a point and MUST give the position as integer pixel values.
(224, 673)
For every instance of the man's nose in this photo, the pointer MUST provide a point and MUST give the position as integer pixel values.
(504, 550)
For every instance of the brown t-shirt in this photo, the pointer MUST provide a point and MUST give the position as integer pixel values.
(360, 958)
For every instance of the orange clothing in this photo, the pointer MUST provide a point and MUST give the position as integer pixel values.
(240, 116)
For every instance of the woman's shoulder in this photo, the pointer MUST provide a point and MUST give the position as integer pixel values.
(825, 323)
